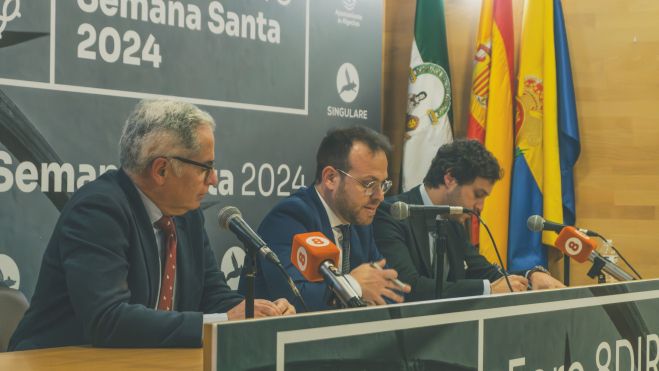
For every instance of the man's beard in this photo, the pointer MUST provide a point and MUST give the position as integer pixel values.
(347, 211)
(455, 199)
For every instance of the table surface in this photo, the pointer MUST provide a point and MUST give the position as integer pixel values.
(101, 359)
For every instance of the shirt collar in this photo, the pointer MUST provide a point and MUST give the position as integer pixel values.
(334, 219)
(152, 210)
(424, 196)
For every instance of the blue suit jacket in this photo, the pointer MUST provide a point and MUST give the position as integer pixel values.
(300, 213)
(100, 276)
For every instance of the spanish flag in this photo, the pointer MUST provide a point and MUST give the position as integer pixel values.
(491, 113)
(546, 143)
(428, 122)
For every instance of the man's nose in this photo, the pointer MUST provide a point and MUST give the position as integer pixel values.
(213, 178)
(378, 194)
(478, 207)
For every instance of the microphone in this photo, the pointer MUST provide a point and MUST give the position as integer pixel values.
(536, 223)
(230, 218)
(575, 244)
(400, 210)
(316, 257)
(579, 247)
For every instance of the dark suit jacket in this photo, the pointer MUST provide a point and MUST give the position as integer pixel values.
(100, 276)
(406, 246)
(303, 212)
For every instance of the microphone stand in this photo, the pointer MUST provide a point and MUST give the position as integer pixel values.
(250, 275)
(596, 269)
(441, 246)
(566, 270)
(601, 264)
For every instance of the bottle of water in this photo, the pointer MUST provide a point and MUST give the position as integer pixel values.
(609, 254)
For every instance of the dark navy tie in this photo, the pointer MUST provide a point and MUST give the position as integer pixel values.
(345, 248)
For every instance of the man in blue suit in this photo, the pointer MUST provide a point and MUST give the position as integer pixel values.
(351, 180)
(129, 263)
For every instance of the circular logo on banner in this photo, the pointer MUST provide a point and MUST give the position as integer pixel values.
(573, 246)
(8, 15)
(302, 258)
(317, 241)
(232, 264)
(347, 82)
(9, 274)
(349, 5)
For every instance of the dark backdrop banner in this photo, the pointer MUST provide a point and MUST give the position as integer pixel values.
(275, 75)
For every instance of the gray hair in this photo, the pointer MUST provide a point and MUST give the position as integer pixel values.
(159, 128)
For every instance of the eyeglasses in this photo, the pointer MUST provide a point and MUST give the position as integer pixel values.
(208, 168)
(369, 187)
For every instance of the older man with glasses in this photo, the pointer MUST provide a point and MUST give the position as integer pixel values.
(129, 263)
(351, 180)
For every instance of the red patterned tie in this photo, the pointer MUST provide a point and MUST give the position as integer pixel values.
(166, 224)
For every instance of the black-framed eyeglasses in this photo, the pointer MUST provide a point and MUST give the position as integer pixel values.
(370, 187)
(208, 168)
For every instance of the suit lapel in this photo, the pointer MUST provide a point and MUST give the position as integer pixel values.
(325, 226)
(455, 251)
(185, 258)
(420, 230)
(146, 236)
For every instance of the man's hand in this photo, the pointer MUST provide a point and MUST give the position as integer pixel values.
(262, 308)
(286, 308)
(376, 283)
(542, 281)
(500, 286)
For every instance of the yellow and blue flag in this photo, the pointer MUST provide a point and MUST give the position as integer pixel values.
(546, 134)
(568, 124)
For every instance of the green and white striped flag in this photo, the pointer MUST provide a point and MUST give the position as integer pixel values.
(428, 123)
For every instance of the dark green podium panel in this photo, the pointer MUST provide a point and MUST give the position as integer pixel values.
(611, 327)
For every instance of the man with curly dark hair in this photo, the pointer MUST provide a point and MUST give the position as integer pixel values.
(463, 174)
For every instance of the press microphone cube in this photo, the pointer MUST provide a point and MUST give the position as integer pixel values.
(309, 251)
(575, 244)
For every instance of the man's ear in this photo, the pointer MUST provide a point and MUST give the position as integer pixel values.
(449, 180)
(330, 178)
(159, 169)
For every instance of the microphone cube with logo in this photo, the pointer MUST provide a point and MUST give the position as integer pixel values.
(575, 244)
(309, 251)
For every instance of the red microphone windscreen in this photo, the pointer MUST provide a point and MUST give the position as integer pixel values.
(309, 251)
(575, 244)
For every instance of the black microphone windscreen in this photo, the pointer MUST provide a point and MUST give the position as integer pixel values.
(535, 223)
(399, 210)
(226, 214)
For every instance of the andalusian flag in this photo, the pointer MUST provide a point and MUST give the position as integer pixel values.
(428, 124)
(491, 113)
(540, 156)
